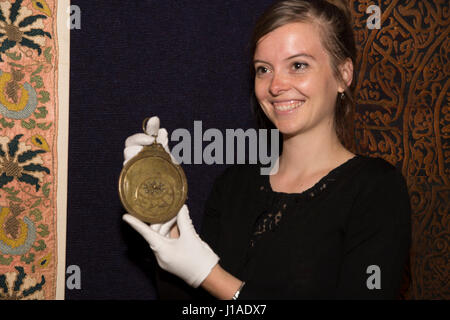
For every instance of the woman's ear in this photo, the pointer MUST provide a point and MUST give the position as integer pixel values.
(346, 70)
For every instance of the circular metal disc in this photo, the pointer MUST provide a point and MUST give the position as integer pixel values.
(151, 187)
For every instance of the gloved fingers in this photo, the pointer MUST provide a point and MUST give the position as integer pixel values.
(184, 221)
(172, 157)
(156, 227)
(163, 137)
(166, 147)
(152, 127)
(154, 239)
(165, 228)
(139, 139)
(130, 152)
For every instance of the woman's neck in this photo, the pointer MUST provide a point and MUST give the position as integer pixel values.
(311, 152)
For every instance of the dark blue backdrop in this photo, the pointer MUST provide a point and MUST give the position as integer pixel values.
(178, 59)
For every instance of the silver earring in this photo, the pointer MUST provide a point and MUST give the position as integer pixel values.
(342, 95)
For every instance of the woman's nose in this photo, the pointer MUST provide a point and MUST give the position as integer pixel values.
(279, 84)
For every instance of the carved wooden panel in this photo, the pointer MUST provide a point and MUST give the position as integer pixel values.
(403, 115)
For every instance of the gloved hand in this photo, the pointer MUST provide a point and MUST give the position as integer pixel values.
(135, 143)
(187, 257)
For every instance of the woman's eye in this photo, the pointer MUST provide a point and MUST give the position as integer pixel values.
(299, 65)
(261, 70)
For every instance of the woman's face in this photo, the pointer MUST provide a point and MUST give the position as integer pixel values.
(294, 82)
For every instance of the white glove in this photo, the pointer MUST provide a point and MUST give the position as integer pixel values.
(187, 257)
(135, 143)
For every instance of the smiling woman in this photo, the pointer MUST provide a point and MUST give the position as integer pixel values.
(294, 83)
(315, 229)
(330, 35)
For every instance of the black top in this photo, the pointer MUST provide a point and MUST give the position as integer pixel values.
(318, 244)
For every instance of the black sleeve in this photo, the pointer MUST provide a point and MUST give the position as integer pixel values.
(377, 240)
(169, 286)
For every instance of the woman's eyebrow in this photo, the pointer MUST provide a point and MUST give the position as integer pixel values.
(260, 61)
(301, 55)
(306, 55)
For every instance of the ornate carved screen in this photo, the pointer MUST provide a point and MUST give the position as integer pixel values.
(402, 115)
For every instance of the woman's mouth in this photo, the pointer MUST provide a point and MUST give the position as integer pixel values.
(287, 106)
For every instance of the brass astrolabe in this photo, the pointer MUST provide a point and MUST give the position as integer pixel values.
(151, 187)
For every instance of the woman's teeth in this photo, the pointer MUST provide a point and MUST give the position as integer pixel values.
(288, 106)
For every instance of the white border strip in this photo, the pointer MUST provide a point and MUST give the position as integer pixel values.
(63, 35)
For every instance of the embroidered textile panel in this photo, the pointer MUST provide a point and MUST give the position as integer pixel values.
(30, 246)
(403, 116)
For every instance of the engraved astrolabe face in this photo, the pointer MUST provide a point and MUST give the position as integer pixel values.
(151, 187)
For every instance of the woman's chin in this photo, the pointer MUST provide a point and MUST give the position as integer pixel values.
(288, 130)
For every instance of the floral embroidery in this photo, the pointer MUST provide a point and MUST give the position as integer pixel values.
(40, 142)
(18, 162)
(28, 110)
(19, 26)
(16, 236)
(17, 100)
(20, 286)
(42, 6)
